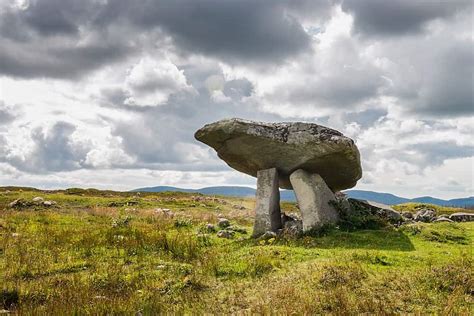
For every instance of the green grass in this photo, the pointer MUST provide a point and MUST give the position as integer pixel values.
(88, 257)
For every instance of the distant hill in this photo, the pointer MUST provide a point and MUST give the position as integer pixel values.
(288, 195)
(385, 198)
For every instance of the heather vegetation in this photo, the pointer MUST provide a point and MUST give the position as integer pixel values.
(104, 252)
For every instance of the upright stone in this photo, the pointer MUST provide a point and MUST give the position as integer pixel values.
(313, 196)
(267, 208)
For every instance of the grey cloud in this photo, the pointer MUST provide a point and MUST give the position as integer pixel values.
(238, 88)
(450, 85)
(399, 17)
(52, 151)
(432, 77)
(37, 60)
(342, 81)
(365, 118)
(435, 152)
(161, 137)
(47, 18)
(7, 114)
(232, 30)
(43, 40)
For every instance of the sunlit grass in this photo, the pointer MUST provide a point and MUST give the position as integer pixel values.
(87, 257)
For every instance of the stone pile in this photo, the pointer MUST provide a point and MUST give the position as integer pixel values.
(36, 201)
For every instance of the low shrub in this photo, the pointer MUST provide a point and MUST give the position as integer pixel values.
(9, 298)
(439, 232)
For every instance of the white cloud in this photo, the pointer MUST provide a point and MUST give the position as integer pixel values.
(120, 96)
(151, 82)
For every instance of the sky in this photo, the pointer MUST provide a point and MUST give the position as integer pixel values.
(108, 93)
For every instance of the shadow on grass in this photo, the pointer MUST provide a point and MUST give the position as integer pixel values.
(380, 239)
(383, 239)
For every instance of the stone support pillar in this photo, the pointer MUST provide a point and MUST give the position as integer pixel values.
(267, 208)
(313, 196)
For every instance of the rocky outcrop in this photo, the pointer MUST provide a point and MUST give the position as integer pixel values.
(462, 217)
(382, 210)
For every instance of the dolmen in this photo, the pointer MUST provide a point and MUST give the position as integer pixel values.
(313, 160)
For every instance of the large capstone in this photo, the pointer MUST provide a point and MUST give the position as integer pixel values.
(249, 146)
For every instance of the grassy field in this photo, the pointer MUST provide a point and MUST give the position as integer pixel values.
(103, 252)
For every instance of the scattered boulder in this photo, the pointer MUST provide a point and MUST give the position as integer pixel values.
(164, 212)
(49, 203)
(225, 234)
(237, 229)
(292, 224)
(38, 199)
(268, 235)
(462, 217)
(239, 207)
(384, 211)
(407, 215)
(425, 215)
(223, 223)
(20, 203)
(210, 228)
(442, 219)
(294, 227)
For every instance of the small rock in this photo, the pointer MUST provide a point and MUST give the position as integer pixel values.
(38, 199)
(47, 203)
(164, 212)
(408, 215)
(443, 219)
(294, 227)
(225, 234)
(237, 229)
(462, 217)
(210, 227)
(220, 215)
(268, 235)
(13, 204)
(223, 223)
(425, 215)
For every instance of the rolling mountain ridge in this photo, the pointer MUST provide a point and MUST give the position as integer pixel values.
(288, 195)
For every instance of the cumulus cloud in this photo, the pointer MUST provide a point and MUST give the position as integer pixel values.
(399, 17)
(48, 150)
(95, 90)
(7, 114)
(150, 82)
(68, 39)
